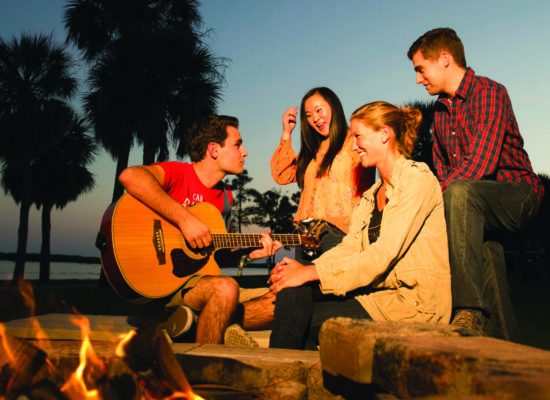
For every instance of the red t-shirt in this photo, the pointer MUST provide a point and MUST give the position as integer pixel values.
(182, 183)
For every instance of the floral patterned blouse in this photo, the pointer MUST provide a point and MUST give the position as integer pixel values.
(332, 197)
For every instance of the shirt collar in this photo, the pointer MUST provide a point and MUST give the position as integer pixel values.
(463, 87)
(397, 171)
(465, 83)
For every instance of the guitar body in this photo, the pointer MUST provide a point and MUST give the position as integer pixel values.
(146, 257)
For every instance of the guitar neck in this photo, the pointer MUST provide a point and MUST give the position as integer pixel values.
(237, 240)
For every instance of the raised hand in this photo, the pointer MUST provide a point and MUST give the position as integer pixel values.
(289, 121)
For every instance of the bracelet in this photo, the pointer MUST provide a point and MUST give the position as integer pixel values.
(245, 259)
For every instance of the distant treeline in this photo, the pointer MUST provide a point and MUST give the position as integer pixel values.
(54, 258)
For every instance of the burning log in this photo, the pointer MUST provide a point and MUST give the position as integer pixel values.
(144, 367)
(20, 363)
(150, 355)
(43, 389)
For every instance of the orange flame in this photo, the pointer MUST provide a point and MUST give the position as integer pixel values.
(181, 395)
(124, 339)
(90, 365)
(75, 387)
(5, 345)
(28, 295)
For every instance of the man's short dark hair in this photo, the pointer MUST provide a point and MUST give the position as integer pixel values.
(433, 42)
(207, 130)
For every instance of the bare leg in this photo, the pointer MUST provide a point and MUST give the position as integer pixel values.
(256, 314)
(217, 297)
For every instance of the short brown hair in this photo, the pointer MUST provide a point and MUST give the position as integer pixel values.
(207, 130)
(433, 42)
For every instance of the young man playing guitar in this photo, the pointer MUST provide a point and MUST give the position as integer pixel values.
(216, 150)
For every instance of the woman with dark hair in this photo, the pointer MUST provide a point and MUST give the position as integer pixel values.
(394, 262)
(327, 171)
(332, 180)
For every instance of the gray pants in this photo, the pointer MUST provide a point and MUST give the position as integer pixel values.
(475, 210)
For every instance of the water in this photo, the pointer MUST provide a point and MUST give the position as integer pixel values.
(67, 270)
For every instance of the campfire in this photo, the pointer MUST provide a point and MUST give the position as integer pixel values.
(142, 366)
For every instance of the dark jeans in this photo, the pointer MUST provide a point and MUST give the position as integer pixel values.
(332, 307)
(306, 311)
(294, 306)
(475, 210)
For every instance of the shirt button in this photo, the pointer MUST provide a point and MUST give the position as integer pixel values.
(453, 133)
(454, 155)
(416, 303)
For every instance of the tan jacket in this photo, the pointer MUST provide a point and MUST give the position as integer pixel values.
(407, 268)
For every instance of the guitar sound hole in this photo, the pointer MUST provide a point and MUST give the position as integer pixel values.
(183, 266)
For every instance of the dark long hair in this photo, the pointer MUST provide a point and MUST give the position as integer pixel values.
(310, 139)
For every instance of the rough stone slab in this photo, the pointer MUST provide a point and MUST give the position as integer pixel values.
(257, 370)
(103, 328)
(457, 397)
(346, 345)
(417, 366)
(60, 327)
(510, 381)
(261, 337)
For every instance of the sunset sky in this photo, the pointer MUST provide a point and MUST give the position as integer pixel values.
(281, 49)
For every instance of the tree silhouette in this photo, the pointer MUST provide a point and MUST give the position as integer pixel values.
(424, 142)
(35, 80)
(241, 196)
(60, 177)
(273, 210)
(151, 74)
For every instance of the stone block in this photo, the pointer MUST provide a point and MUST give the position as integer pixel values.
(271, 373)
(346, 345)
(410, 367)
(512, 381)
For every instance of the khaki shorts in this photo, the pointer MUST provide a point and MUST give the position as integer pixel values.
(244, 293)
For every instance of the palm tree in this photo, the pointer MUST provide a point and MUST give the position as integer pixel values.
(61, 176)
(151, 75)
(424, 143)
(35, 80)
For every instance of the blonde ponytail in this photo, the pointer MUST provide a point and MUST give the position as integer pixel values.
(403, 121)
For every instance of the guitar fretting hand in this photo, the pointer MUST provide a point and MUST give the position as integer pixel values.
(237, 240)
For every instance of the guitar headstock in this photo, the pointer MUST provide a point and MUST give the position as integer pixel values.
(310, 242)
(310, 232)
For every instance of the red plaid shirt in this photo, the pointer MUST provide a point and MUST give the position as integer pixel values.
(476, 136)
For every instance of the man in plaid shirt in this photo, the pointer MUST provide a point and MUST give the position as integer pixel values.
(488, 183)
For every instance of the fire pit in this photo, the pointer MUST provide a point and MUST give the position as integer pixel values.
(215, 371)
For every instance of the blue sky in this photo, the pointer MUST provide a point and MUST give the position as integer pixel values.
(281, 49)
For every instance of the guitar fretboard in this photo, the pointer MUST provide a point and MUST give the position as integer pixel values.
(236, 240)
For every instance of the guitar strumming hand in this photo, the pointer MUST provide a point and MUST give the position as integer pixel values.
(145, 256)
(196, 233)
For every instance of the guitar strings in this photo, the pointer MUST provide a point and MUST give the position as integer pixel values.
(243, 239)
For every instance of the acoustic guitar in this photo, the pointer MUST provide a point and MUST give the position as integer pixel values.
(144, 256)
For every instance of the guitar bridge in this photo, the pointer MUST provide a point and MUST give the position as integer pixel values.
(158, 242)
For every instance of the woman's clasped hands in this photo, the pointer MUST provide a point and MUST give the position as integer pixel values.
(290, 273)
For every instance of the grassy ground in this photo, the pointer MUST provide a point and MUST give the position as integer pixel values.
(529, 296)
